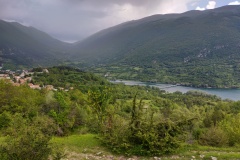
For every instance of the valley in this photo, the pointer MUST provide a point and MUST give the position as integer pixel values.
(184, 48)
(165, 86)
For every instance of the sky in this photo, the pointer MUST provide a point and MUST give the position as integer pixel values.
(74, 20)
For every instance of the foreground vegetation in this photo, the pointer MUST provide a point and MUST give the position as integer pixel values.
(88, 146)
(114, 119)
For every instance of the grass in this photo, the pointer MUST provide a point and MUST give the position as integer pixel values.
(89, 145)
(78, 143)
(221, 153)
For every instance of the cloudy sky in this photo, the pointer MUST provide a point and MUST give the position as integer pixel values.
(73, 20)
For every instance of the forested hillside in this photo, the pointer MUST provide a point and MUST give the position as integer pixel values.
(128, 120)
(22, 46)
(195, 48)
(67, 77)
(199, 48)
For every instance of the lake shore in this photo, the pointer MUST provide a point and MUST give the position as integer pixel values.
(223, 93)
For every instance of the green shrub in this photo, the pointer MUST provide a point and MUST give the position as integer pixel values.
(144, 133)
(232, 128)
(27, 140)
(214, 136)
(5, 119)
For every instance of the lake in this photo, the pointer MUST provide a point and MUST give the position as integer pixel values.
(232, 94)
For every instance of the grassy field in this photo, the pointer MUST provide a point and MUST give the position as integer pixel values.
(207, 152)
(78, 143)
(88, 146)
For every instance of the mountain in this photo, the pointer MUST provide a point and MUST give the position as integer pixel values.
(195, 48)
(200, 48)
(27, 46)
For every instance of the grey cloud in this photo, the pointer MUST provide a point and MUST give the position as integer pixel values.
(77, 19)
(110, 2)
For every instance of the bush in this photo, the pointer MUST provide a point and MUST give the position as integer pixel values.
(27, 140)
(214, 136)
(5, 119)
(232, 128)
(145, 134)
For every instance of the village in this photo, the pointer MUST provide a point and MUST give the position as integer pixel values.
(24, 77)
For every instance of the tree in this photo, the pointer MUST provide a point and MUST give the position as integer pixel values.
(61, 109)
(99, 100)
(231, 126)
(27, 139)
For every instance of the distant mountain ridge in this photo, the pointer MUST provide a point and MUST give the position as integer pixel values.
(200, 48)
(27, 46)
(157, 30)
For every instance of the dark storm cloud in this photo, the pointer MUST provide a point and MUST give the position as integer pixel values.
(76, 19)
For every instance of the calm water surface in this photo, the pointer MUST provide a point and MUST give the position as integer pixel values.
(232, 94)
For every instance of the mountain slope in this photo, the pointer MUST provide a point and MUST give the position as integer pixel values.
(194, 48)
(27, 46)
